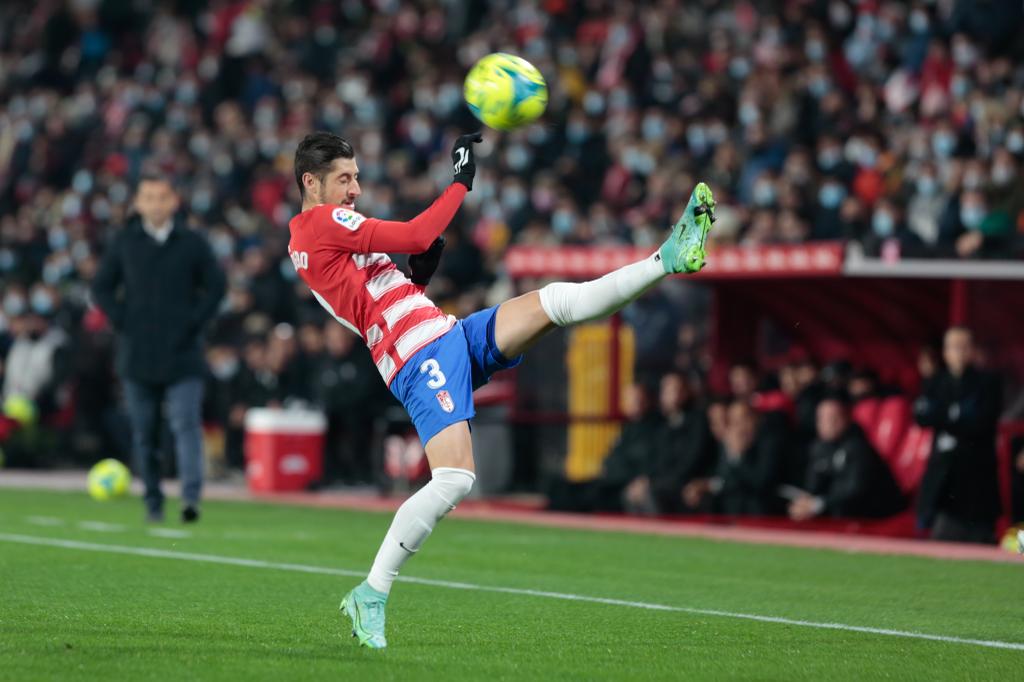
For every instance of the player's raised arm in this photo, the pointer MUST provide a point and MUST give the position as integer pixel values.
(370, 235)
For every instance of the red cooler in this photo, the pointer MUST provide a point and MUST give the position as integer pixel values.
(284, 449)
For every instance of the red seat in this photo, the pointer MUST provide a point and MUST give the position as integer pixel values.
(865, 413)
(890, 426)
(911, 457)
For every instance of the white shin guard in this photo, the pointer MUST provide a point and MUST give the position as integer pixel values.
(415, 520)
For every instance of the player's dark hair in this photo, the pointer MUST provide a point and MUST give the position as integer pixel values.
(317, 152)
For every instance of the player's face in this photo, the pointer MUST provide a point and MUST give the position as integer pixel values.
(341, 184)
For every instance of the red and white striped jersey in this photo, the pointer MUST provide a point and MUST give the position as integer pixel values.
(330, 248)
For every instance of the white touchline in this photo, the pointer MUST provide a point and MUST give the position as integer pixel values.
(322, 570)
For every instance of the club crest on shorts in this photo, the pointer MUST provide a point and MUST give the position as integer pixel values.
(445, 398)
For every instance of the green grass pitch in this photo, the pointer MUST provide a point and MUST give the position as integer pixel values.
(72, 612)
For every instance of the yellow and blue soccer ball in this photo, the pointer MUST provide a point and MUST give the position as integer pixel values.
(505, 91)
(108, 479)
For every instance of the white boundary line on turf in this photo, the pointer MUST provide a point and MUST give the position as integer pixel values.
(322, 570)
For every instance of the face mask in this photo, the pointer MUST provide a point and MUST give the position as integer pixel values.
(831, 195)
(868, 157)
(562, 222)
(57, 239)
(818, 87)
(739, 68)
(576, 132)
(225, 369)
(918, 21)
(764, 194)
(815, 50)
(971, 216)
(749, 114)
(7, 260)
(517, 157)
(42, 303)
(829, 158)
(696, 139)
(14, 305)
(513, 199)
(958, 87)
(653, 128)
(943, 144)
(926, 185)
(882, 224)
(972, 181)
(593, 103)
(82, 182)
(1002, 175)
(1015, 142)
(202, 201)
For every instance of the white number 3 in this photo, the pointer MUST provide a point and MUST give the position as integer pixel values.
(433, 370)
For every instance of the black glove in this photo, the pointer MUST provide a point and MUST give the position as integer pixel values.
(423, 265)
(462, 158)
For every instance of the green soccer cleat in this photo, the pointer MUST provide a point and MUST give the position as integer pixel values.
(683, 251)
(365, 606)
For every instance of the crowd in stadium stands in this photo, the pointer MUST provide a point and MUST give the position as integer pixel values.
(805, 442)
(898, 125)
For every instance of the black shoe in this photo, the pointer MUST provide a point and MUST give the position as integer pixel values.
(189, 515)
(155, 516)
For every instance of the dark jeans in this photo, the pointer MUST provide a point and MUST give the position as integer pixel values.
(184, 400)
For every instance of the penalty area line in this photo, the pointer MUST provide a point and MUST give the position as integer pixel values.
(155, 553)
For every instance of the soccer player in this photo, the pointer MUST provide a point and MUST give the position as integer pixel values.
(432, 362)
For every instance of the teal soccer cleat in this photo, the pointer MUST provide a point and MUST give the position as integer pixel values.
(683, 251)
(365, 606)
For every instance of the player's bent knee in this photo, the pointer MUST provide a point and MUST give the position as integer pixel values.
(557, 300)
(452, 484)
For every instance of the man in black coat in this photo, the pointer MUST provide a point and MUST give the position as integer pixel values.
(845, 476)
(744, 480)
(685, 448)
(959, 497)
(159, 284)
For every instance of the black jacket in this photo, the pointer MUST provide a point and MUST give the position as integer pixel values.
(158, 298)
(685, 450)
(960, 479)
(633, 453)
(851, 478)
(749, 484)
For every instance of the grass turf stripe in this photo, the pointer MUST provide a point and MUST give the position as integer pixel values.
(323, 570)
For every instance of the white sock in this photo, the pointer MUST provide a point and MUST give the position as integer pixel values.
(414, 521)
(568, 303)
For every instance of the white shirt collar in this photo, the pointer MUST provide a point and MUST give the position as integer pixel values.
(159, 233)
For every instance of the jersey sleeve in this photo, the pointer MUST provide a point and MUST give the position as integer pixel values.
(345, 230)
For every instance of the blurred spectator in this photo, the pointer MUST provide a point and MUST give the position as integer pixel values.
(159, 285)
(959, 498)
(347, 387)
(625, 481)
(684, 448)
(746, 475)
(845, 476)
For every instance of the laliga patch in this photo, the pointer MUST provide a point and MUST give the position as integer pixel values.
(447, 404)
(348, 219)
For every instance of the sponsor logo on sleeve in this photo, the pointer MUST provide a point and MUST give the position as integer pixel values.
(348, 219)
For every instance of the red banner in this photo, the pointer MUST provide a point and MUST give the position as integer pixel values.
(824, 259)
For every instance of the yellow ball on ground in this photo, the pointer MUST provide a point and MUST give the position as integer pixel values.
(505, 91)
(108, 479)
(20, 409)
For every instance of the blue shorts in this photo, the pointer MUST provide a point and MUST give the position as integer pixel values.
(436, 385)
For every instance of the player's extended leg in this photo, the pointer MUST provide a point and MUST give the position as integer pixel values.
(523, 320)
(450, 454)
